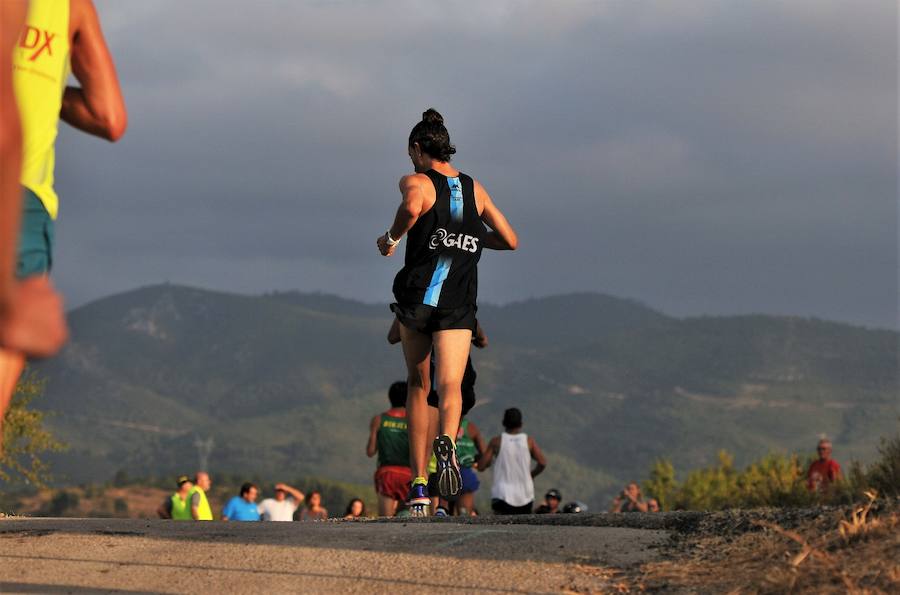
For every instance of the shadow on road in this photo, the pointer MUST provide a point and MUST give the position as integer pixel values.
(497, 538)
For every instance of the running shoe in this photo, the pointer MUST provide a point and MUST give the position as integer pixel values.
(449, 479)
(441, 512)
(418, 496)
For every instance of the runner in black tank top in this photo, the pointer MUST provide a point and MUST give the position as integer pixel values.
(445, 214)
(443, 250)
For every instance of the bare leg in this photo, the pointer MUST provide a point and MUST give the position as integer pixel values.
(434, 418)
(387, 506)
(417, 351)
(451, 351)
(11, 366)
(433, 422)
(466, 501)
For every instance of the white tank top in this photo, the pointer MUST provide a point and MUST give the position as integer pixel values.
(512, 471)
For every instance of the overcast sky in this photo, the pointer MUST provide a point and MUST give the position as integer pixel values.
(703, 157)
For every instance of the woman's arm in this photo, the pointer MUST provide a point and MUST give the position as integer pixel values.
(479, 339)
(413, 204)
(501, 236)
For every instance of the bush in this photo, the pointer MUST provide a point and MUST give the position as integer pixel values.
(120, 506)
(121, 479)
(775, 480)
(884, 474)
(662, 484)
(61, 503)
(25, 438)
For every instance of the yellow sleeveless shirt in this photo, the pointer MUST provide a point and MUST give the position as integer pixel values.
(40, 71)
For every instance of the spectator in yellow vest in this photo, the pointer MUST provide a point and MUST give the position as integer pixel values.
(177, 507)
(200, 509)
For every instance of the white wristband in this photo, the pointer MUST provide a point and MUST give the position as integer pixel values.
(391, 241)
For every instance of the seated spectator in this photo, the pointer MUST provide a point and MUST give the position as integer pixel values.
(177, 507)
(243, 507)
(283, 506)
(653, 505)
(551, 503)
(630, 500)
(355, 509)
(824, 471)
(314, 510)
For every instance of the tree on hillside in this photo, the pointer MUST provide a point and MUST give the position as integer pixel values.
(662, 484)
(25, 438)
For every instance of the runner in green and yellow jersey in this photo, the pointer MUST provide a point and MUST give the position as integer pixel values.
(389, 439)
(470, 446)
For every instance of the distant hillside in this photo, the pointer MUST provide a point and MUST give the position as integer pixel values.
(285, 384)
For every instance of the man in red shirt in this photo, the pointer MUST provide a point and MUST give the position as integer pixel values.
(825, 470)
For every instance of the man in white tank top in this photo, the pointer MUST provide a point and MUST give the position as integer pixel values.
(511, 453)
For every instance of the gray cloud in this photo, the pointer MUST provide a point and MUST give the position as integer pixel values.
(716, 158)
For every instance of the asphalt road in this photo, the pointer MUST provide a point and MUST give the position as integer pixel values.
(139, 556)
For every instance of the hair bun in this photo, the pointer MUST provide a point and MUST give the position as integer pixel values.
(432, 116)
(432, 137)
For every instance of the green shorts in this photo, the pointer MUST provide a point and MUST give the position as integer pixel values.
(35, 255)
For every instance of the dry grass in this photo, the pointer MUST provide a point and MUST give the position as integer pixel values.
(856, 553)
(142, 502)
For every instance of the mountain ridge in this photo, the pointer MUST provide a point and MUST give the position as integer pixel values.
(288, 380)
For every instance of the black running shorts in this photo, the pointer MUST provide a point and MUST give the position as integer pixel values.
(501, 507)
(428, 319)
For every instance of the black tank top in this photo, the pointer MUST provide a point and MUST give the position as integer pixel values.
(443, 248)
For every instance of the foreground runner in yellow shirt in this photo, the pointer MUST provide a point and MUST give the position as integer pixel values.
(59, 36)
(31, 311)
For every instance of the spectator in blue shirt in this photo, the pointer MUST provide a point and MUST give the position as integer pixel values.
(243, 507)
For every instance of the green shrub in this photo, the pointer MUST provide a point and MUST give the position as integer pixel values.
(63, 502)
(775, 480)
(884, 474)
(120, 506)
(662, 484)
(121, 479)
(25, 438)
